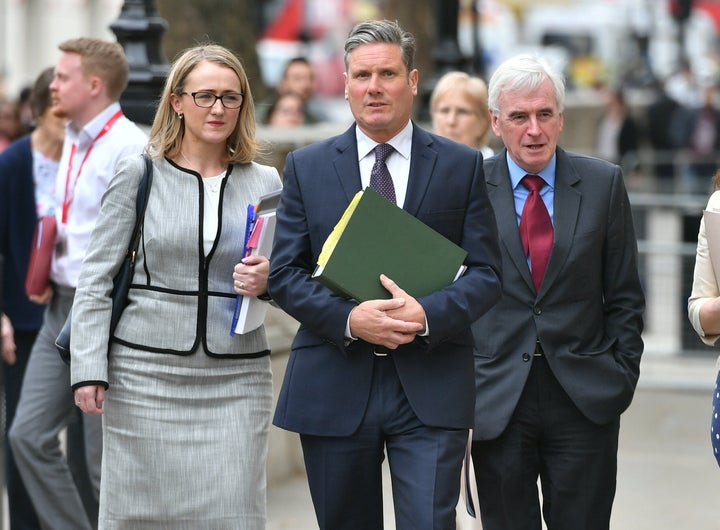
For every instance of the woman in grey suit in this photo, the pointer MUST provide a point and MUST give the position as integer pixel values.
(186, 405)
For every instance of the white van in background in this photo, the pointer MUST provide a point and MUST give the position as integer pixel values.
(594, 41)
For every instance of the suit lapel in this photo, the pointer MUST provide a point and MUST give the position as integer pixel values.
(345, 160)
(567, 208)
(422, 164)
(501, 196)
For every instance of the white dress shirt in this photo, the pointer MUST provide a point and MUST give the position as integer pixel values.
(398, 163)
(85, 191)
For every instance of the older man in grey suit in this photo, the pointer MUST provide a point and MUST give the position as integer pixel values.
(557, 360)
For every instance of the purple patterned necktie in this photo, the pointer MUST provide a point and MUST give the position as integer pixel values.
(380, 179)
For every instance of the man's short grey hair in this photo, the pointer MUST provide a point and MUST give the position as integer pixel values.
(372, 31)
(522, 73)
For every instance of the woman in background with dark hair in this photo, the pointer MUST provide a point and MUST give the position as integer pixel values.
(286, 110)
(617, 131)
(28, 168)
(10, 125)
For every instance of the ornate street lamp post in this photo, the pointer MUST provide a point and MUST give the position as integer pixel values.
(446, 51)
(139, 30)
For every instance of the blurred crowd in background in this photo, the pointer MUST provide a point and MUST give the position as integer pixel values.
(652, 65)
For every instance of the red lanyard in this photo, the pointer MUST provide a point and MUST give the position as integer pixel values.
(70, 194)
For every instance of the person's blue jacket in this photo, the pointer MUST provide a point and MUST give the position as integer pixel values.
(18, 217)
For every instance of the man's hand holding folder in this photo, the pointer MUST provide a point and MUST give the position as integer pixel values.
(384, 258)
(388, 323)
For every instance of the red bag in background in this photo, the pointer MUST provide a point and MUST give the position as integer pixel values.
(38, 273)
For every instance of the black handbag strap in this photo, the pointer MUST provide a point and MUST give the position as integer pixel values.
(140, 204)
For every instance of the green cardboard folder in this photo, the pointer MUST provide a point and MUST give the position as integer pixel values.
(375, 237)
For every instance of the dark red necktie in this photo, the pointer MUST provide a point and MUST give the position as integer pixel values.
(536, 231)
(380, 179)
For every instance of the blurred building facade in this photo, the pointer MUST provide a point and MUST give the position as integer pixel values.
(30, 31)
(591, 39)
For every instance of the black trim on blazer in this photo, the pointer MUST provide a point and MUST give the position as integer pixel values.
(90, 383)
(142, 347)
(202, 294)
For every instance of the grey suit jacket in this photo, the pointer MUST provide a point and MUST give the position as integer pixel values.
(180, 299)
(588, 315)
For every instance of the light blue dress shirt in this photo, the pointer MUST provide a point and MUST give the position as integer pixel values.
(520, 192)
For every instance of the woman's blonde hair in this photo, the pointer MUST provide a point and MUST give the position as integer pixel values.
(473, 87)
(168, 128)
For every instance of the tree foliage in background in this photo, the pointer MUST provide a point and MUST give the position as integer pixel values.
(235, 25)
(238, 25)
(415, 17)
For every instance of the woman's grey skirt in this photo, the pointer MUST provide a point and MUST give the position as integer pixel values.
(185, 442)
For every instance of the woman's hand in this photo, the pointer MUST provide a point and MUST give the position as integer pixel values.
(8, 340)
(250, 276)
(90, 399)
(43, 299)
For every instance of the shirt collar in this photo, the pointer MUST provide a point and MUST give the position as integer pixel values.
(89, 132)
(517, 173)
(401, 142)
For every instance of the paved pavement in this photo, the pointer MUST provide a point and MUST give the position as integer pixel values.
(667, 478)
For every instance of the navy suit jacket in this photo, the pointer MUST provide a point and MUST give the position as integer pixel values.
(18, 217)
(327, 385)
(588, 314)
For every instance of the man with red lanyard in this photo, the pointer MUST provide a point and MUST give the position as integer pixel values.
(89, 79)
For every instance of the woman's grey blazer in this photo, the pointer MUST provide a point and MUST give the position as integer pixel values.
(180, 299)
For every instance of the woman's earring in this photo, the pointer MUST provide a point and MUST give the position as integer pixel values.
(180, 116)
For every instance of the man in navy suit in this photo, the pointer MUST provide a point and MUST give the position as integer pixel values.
(557, 360)
(383, 376)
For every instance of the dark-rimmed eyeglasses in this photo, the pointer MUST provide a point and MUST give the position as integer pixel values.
(206, 100)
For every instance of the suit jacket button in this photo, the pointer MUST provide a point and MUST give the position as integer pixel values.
(537, 310)
(526, 357)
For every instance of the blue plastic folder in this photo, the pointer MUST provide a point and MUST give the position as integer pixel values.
(249, 311)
